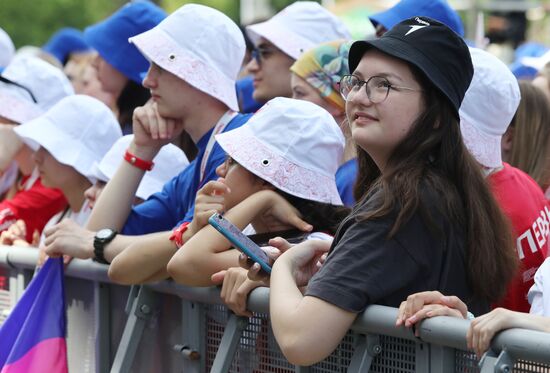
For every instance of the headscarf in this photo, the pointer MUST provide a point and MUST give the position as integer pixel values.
(323, 67)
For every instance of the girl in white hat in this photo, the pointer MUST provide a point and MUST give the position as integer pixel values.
(68, 139)
(28, 87)
(286, 156)
(68, 236)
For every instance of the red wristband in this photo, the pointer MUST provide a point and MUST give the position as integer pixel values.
(142, 164)
(177, 234)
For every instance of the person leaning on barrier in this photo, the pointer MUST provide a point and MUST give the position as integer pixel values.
(29, 87)
(67, 140)
(281, 168)
(193, 90)
(424, 202)
(282, 122)
(169, 162)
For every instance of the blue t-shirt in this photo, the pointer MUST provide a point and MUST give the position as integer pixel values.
(245, 89)
(345, 180)
(176, 202)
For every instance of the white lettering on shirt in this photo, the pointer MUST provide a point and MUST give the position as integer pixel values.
(539, 231)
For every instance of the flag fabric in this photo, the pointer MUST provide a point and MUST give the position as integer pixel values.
(32, 339)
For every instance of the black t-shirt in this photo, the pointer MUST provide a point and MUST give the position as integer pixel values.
(365, 267)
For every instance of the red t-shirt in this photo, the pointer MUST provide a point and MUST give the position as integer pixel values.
(35, 205)
(522, 200)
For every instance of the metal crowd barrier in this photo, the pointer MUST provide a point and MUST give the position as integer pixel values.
(165, 327)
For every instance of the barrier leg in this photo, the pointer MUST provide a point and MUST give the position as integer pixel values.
(490, 362)
(102, 308)
(442, 359)
(368, 347)
(229, 343)
(194, 345)
(142, 309)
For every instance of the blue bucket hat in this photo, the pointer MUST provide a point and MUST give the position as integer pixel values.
(439, 10)
(64, 42)
(110, 37)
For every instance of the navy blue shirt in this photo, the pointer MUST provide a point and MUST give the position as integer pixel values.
(176, 202)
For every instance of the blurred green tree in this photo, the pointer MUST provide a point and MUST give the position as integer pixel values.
(30, 22)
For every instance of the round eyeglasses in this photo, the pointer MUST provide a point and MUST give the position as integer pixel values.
(378, 87)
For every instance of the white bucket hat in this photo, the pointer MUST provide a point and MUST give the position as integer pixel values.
(169, 162)
(47, 83)
(299, 27)
(77, 132)
(293, 144)
(488, 107)
(7, 49)
(200, 45)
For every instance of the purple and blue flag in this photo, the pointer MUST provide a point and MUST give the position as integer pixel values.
(32, 339)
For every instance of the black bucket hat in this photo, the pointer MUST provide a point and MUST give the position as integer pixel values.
(431, 46)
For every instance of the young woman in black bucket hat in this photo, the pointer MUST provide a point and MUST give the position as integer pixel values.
(425, 218)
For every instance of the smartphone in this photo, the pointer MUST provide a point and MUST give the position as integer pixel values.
(240, 241)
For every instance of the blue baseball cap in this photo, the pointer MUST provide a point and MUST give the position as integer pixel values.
(110, 37)
(439, 10)
(64, 42)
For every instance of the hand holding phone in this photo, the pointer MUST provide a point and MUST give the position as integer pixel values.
(240, 240)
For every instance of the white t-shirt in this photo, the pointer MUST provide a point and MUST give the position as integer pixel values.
(80, 218)
(539, 294)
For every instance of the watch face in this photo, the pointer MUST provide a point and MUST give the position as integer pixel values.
(104, 233)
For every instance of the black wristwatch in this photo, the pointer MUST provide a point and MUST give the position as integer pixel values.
(101, 239)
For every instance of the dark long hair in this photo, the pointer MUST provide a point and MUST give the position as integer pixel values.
(434, 154)
(324, 217)
(132, 96)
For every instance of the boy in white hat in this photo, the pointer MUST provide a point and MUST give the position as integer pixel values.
(192, 83)
(280, 40)
(28, 87)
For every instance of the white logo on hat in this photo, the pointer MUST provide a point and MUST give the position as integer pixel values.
(417, 27)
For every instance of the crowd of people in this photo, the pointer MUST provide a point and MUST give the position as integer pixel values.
(408, 169)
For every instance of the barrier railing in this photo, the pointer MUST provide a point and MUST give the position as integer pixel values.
(165, 327)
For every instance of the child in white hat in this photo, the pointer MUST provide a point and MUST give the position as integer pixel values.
(28, 87)
(287, 154)
(169, 162)
(283, 38)
(68, 139)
